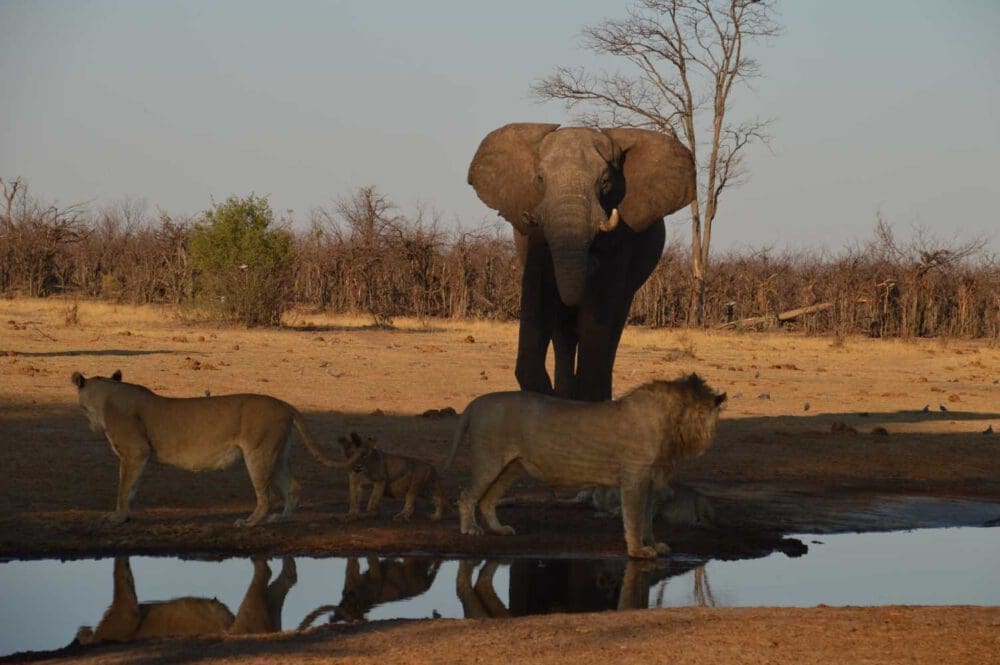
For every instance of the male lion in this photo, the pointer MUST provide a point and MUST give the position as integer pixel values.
(197, 434)
(632, 443)
(388, 474)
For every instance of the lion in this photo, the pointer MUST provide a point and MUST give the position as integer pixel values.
(386, 581)
(632, 443)
(388, 474)
(675, 504)
(198, 434)
(127, 619)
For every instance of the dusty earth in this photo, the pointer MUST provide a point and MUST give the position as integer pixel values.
(820, 435)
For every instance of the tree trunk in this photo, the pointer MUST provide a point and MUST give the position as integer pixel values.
(696, 300)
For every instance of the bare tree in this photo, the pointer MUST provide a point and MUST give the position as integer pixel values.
(688, 55)
(10, 189)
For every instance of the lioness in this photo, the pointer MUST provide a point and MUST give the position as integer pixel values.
(387, 473)
(632, 443)
(127, 619)
(676, 504)
(197, 434)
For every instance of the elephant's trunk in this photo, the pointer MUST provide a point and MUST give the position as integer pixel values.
(571, 274)
(569, 233)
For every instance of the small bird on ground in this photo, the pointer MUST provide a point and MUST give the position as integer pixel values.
(942, 407)
(927, 408)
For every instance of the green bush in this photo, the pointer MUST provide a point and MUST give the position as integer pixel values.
(243, 263)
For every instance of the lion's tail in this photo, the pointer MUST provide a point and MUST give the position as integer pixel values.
(314, 449)
(460, 431)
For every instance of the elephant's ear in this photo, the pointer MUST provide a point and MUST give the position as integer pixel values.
(504, 173)
(659, 175)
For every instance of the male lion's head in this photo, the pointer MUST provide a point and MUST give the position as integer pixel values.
(700, 417)
(690, 406)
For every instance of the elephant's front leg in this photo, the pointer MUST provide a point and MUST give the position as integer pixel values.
(595, 362)
(537, 319)
(623, 265)
(565, 338)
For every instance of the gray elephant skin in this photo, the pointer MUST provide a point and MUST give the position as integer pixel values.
(587, 206)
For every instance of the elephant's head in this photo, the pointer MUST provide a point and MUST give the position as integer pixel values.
(571, 184)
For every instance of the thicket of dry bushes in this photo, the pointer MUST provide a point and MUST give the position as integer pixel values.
(365, 256)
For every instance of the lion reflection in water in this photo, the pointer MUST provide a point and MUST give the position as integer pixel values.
(127, 619)
(631, 580)
(385, 581)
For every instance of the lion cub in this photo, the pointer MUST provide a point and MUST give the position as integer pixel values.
(394, 475)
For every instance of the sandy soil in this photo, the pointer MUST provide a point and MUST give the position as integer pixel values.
(688, 635)
(799, 449)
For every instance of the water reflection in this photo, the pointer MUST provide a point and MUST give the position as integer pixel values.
(586, 585)
(44, 601)
(127, 619)
(385, 581)
(535, 586)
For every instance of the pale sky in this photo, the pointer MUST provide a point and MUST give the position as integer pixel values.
(890, 105)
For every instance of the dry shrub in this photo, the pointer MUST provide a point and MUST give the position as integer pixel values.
(71, 315)
(365, 256)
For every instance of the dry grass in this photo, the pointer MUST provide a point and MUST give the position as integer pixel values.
(342, 362)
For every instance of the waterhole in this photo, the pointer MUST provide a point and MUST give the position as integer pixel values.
(47, 604)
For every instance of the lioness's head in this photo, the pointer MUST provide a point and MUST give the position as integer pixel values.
(91, 396)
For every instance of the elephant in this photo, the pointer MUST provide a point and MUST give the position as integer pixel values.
(587, 206)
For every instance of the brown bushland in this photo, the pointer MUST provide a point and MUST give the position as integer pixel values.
(366, 257)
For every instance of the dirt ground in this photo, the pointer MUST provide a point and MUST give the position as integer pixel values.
(696, 635)
(820, 434)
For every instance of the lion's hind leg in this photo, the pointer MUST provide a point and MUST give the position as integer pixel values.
(263, 457)
(437, 494)
(488, 504)
(467, 514)
(416, 480)
(486, 469)
(286, 486)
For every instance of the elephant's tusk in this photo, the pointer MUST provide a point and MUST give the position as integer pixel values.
(611, 223)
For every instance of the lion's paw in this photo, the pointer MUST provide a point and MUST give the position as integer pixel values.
(247, 522)
(644, 552)
(505, 530)
(115, 519)
(661, 548)
(401, 517)
(473, 530)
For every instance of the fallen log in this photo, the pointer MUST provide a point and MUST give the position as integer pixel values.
(811, 309)
(772, 319)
